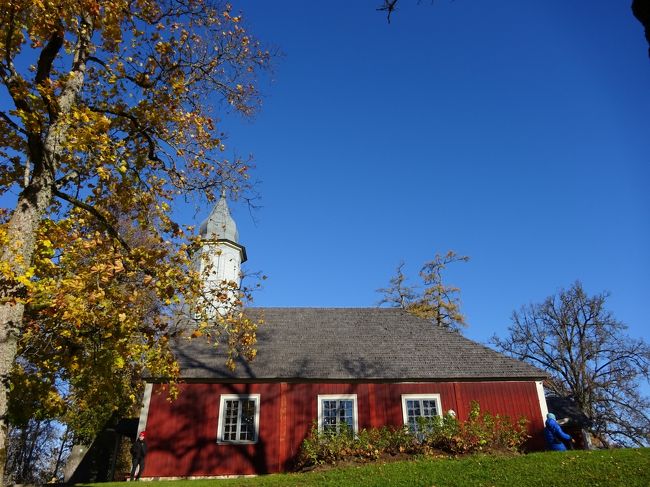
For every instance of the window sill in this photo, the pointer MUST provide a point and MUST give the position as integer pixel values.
(233, 442)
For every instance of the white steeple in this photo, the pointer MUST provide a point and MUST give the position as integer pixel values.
(219, 224)
(221, 256)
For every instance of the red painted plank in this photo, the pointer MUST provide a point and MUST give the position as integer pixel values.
(282, 456)
(372, 407)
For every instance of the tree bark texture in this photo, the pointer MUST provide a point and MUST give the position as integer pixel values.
(22, 229)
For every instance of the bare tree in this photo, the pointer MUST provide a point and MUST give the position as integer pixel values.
(398, 294)
(35, 452)
(590, 359)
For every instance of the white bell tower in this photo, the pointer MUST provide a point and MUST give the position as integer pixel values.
(221, 256)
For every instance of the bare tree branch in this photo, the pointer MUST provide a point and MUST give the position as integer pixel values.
(389, 7)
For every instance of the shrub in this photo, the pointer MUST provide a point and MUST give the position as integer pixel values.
(330, 447)
(481, 432)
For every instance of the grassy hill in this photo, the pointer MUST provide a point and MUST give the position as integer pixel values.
(624, 467)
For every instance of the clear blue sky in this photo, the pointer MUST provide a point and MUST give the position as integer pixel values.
(517, 133)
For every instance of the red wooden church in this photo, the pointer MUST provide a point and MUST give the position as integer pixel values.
(365, 367)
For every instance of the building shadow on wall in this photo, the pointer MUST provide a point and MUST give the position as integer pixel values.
(194, 448)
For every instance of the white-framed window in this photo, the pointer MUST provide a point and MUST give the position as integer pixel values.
(416, 406)
(337, 412)
(239, 418)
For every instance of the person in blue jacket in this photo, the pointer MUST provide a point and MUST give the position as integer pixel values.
(554, 434)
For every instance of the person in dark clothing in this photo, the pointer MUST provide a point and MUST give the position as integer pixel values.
(138, 452)
(554, 435)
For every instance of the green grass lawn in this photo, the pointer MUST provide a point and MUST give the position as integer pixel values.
(624, 467)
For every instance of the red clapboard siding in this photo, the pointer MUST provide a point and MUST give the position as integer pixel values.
(182, 434)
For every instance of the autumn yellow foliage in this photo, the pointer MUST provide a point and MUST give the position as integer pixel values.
(113, 117)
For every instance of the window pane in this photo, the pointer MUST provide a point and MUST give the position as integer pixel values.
(345, 414)
(230, 420)
(429, 408)
(337, 414)
(247, 427)
(412, 413)
(419, 408)
(239, 420)
(329, 415)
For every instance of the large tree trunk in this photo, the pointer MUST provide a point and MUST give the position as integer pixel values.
(21, 231)
(33, 201)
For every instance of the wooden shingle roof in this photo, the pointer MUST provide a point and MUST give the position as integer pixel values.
(352, 344)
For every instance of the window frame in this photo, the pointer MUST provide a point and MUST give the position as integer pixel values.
(222, 413)
(338, 397)
(421, 397)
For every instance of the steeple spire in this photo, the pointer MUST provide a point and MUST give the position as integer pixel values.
(220, 258)
(220, 225)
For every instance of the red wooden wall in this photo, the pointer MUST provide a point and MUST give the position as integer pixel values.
(181, 435)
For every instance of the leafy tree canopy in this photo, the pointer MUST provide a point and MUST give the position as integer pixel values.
(112, 118)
